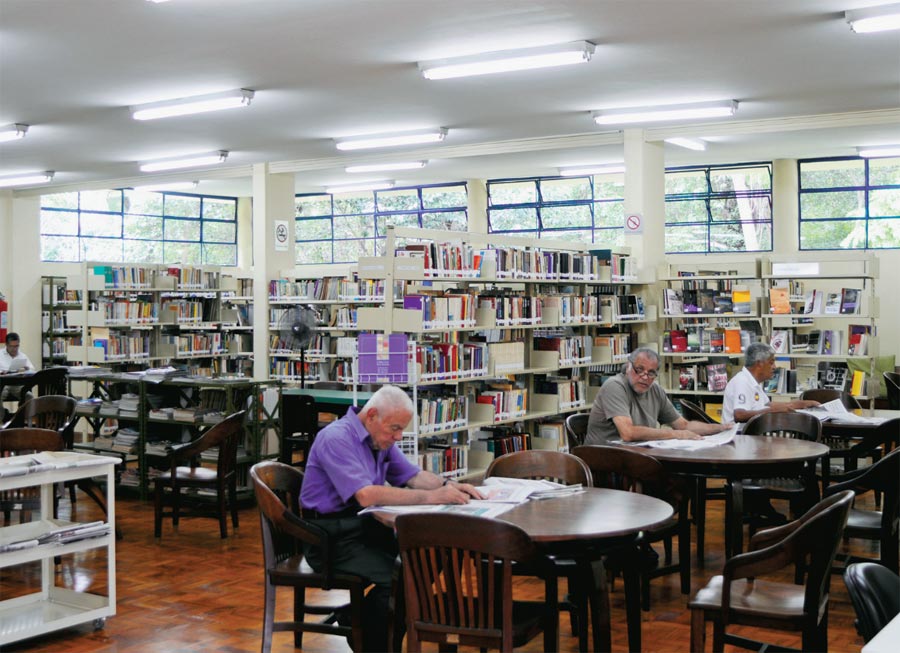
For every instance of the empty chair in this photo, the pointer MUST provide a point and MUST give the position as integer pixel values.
(892, 384)
(49, 381)
(277, 488)
(622, 469)
(743, 596)
(576, 429)
(562, 468)
(870, 443)
(222, 480)
(824, 395)
(457, 581)
(875, 594)
(881, 526)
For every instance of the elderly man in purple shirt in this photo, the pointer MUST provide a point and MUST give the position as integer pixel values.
(353, 464)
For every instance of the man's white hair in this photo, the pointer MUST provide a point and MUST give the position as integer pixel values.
(388, 397)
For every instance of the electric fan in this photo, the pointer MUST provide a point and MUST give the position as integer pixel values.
(296, 329)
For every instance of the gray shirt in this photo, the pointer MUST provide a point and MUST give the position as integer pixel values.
(616, 397)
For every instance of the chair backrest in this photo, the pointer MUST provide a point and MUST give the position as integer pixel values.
(576, 429)
(555, 466)
(54, 412)
(29, 440)
(824, 395)
(875, 594)
(226, 436)
(458, 577)
(692, 411)
(892, 383)
(881, 476)
(786, 425)
(49, 381)
(885, 437)
(623, 469)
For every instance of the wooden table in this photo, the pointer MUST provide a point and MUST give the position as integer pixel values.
(583, 526)
(747, 456)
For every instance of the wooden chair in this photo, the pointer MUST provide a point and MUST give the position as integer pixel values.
(223, 479)
(692, 411)
(18, 441)
(875, 594)
(284, 533)
(457, 575)
(562, 468)
(883, 526)
(622, 469)
(741, 596)
(824, 395)
(892, 384)
(49, 381)
(801, 494)
(576, 429)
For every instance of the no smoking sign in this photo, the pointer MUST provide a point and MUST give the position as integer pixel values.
(634, 224)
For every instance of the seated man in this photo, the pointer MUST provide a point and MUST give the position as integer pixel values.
(631, 406)
(13, 361)
(744, 394)
(353, 464)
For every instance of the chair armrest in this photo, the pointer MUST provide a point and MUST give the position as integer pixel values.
(184, 452)
(846, 482)
(769, 536)
(753, 564)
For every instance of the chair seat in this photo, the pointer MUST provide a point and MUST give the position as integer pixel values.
(527, 619)
(296, 571)
(775, 485)
(197, 474)
(759, 598)
(868, 521)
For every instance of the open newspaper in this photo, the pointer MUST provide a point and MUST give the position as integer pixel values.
(835, 411)
(706, 442)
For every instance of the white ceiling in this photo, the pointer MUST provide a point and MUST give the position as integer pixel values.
(322, 69)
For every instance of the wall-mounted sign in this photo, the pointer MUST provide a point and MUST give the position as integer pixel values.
(281, 235)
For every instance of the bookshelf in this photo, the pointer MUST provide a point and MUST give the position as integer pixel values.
(56, 333)
(496, 338)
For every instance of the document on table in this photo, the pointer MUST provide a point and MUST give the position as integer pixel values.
(707, 442)
(835, 411)
(476, 508)
(519, 490)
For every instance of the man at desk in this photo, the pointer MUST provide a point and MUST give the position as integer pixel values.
(632, 406)
(745, 396)
(353, 464)
(12, 361)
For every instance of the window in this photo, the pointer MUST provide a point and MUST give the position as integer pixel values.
(719, 208)
(849, 203)
(584, 209)
(341, 228)
(131, 226)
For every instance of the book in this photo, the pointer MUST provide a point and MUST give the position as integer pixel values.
(716, 377)
(857, 383)
(779, 341)
(858, 339)
(740, 300)
(832, 303)
(779, 301)
(849, 301)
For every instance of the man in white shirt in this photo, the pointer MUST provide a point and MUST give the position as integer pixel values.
(745, 396)
(11, 361)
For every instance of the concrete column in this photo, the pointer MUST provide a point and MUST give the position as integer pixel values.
(23, 286)
(273, 201)
(477, 206)
(785, 207)
(645, 194)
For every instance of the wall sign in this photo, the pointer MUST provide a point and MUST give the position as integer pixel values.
(634, 224)
(281, 235)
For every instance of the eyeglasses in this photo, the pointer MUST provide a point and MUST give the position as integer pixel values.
(640, 371)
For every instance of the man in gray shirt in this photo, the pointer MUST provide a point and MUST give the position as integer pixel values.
(631, 406)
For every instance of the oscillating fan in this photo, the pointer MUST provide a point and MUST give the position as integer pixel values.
(296, 329)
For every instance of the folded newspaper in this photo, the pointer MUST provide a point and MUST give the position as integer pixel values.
(706, 442)
(835, 411)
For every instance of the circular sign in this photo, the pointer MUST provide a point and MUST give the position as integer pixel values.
(281, 233)
(633, 223)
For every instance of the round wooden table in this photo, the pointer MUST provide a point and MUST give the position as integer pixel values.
(747, 456)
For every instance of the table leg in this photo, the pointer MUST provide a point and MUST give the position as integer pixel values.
(632, 578)
(734, 519)
(595, 575)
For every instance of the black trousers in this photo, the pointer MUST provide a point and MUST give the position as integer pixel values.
(362, 546)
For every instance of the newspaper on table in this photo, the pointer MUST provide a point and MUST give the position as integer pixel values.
(835, 411)
(706, 442)
(474, 508)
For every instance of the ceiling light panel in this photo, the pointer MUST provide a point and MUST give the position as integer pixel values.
(172, 185)
(696, 144)
(875, 151)
(13, 132)
(27, 179)
(391, 140)
(364, 186)
(592, 169)
(191, 105)
(562, 54)
(187, 161)
(632, 115)
(874, 19)
(383, 167)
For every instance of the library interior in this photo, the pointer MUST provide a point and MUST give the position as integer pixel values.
(230, 224)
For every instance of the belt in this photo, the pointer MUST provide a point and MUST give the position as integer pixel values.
(346, 512)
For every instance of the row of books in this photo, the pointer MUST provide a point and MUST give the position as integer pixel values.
(513, 310)
(618, 344)
(125, 276)
(441, 413)
(508, 403)
(194, 278)
(441, 360)
(824, 342)
(816, 302)
(707, 301)
(60, 295)
(293, 369)
(573, 350)
(120, 347)
(702, 339)
(570, 392)
(444, 460)
(195, 344)
(713, 376)
(501, 442)
(453, 311)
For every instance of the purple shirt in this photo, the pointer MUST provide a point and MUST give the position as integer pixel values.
(341, 462)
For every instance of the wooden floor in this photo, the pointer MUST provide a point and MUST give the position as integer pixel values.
(193, 592)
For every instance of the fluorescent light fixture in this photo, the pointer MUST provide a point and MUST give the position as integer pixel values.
(561, 54)
(158, 1)
(27, 179)
(875, 151)
(391, 140)
(874, 19)
(13, 132)
(592, 169)
(688, 143)
(369, 185)
(382, 167)
(173, 185)
(189, 105)
(189, 161)
(665, 112)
